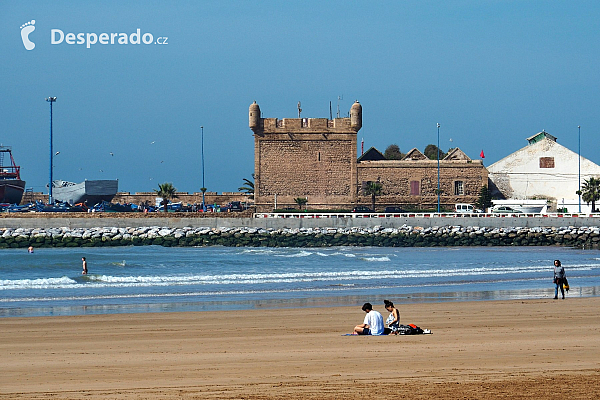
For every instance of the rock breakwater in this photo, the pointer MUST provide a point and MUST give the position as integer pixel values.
(405, 236)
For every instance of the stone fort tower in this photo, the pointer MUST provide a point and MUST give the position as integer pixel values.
(314, 158)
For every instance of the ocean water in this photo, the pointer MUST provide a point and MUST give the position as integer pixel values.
(159, 279)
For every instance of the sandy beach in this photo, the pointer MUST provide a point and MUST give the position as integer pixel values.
(481, 349)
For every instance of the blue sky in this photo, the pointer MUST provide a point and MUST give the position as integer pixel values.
(490, 72)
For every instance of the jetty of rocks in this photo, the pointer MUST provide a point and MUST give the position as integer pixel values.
(403, 236)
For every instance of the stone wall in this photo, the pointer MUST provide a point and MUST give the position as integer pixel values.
(304, 165)
(313, 158)
(396, 176)
(150, 198)
(184, 197)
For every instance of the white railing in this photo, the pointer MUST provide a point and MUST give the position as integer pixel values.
(424, 215)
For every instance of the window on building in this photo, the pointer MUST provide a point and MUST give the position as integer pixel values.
(415, 189)
(546, 162)
(459, 188)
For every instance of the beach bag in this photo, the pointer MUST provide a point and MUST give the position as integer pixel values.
(565, 284)
(409, 329)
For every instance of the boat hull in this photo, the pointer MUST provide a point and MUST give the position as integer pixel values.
(11, 190)
(92, 192)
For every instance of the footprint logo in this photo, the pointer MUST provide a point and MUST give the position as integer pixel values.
(26, 29)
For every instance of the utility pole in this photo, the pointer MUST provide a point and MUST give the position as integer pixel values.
(50, 100)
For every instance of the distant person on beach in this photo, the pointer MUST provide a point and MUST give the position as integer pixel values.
(559, 279)
(30, 249)
(84, 264)
(373, 323)
(393, 320)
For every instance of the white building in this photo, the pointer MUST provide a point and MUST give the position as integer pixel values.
(542, 170)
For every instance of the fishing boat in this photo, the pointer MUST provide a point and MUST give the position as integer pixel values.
(524, 206)
(11, 185)
(90, 191)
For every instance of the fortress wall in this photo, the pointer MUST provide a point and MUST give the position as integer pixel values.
(184, 197)
(305, 165)
(396, 177)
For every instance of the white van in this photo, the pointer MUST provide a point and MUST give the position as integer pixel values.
(464, 208)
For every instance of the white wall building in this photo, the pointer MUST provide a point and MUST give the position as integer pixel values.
(542, 170)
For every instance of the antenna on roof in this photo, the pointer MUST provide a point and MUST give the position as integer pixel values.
(330, 113)
(338, 105)
(299, 110)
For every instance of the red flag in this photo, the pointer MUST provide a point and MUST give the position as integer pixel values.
(481, 155)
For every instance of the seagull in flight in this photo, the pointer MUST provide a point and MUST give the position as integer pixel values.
(111, 153)
(153, 142)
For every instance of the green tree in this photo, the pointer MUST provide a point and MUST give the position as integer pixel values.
(393, 152)
(167, 192)
(300, 201)
(485, 198)
(431, 152)
(590, 191)
(248, 187)
(373, 189)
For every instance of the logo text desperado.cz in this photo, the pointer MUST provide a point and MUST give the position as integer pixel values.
(57, 36)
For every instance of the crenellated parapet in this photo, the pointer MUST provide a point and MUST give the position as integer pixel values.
(262, 126)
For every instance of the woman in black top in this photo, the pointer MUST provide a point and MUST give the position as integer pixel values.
(559, 279)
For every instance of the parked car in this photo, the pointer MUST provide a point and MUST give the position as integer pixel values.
(235, 206)
(394, 210)
(464, 208)
(505, 210)
(362, 209)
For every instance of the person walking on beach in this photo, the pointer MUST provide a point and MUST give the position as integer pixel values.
(393, 321)
(559, 279)
(84, 264)
(373, 323)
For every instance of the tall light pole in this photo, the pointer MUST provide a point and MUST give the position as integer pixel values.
(203, 187)
(579, 159)
(50, 100)
(438, 160)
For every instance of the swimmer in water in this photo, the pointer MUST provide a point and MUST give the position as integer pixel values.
(84, 263)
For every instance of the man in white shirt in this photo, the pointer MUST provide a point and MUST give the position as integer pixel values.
(373, 323)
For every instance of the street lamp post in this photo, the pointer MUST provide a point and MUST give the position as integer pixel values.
(438, 167)
(50, 100)
(579, 160)
(203, 187)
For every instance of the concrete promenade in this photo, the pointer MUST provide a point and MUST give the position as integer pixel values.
(295, 221)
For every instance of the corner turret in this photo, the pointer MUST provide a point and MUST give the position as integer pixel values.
(254, 116)
(356, 116)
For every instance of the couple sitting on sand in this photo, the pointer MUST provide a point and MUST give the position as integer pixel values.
(373, 323)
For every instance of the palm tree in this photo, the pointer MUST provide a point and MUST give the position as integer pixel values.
(167, 192)
(590, 191)
(373, 189)
(300, 201)
(248, 187)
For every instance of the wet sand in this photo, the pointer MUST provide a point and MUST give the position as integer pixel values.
(479, 350)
